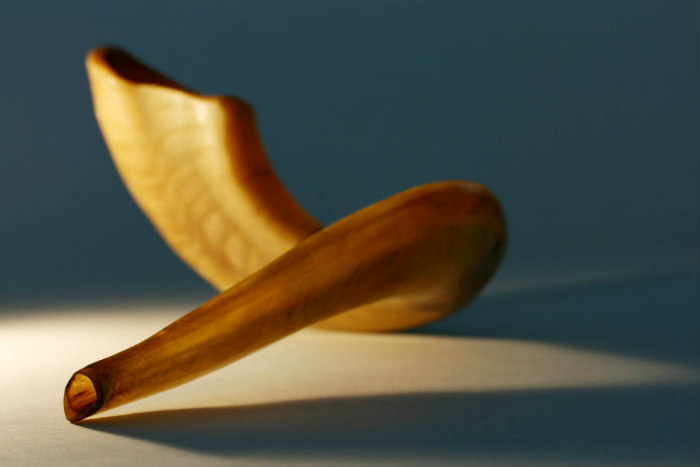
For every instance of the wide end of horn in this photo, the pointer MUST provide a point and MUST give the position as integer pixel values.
(124, 65)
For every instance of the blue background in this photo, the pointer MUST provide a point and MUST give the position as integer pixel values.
(583, 118)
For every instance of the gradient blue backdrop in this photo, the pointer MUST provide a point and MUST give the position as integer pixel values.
(583, 118)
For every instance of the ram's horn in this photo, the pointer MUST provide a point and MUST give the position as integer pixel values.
(429, 249)
(196, 167)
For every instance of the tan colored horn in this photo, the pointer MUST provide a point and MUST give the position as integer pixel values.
(430, 249)
(196, 167)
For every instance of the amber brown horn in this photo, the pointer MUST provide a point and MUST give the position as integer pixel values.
(196, 167)
(432, 247)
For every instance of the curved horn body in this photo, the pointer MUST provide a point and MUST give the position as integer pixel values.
(197, 168)
(431, 247)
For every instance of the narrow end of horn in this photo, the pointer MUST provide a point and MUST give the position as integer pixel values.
(82, 397)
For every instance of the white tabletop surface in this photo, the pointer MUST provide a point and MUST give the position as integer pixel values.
(603, 374)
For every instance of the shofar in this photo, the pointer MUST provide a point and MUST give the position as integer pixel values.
(195, 165)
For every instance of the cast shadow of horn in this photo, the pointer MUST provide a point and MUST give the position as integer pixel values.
(629, 425)
(645, 318)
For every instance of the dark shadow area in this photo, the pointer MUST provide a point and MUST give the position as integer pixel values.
(620, 425)
(648, 318)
